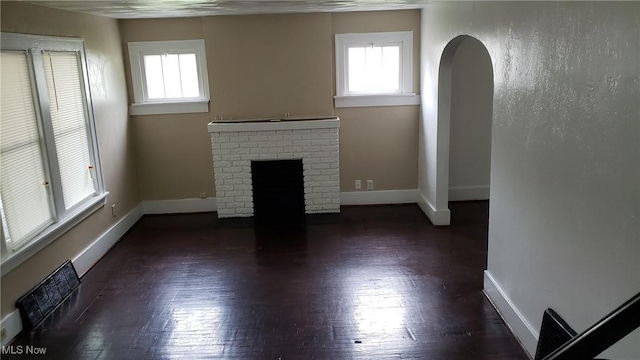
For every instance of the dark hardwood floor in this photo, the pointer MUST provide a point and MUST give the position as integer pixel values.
(372, 283)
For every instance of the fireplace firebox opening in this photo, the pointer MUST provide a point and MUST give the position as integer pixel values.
(278, 191)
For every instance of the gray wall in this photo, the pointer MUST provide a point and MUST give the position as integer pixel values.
(565, 162)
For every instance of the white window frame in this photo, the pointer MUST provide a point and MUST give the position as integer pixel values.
(142, 104)
(405, 96)
(64, 219)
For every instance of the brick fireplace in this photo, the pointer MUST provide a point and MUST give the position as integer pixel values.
(236, 144)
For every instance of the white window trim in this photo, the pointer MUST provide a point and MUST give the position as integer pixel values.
(377, 100)
(65, 219)
(183, 107)
(142, 104)
(406, 96)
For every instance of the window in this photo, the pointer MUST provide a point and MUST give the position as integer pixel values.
(169, 77)
(50, 174)
(374, 69)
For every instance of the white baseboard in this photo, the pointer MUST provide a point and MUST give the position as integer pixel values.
(464, 193)
(378, 197)
(437, 217)
(517, 323)
(180, 206)
(12, 324)
(94, 252)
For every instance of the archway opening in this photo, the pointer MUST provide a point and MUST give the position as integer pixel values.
(465, 103)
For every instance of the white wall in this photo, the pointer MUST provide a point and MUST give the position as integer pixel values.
(565, 161)
(470, 131)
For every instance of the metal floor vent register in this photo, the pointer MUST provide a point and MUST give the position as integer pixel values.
(45, 297)
(554, 332)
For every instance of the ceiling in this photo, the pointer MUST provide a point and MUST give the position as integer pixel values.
(137, 9)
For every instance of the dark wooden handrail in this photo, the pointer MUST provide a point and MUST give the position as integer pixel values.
(601, 335)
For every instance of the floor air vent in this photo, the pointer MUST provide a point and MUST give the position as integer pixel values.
(554, 332)
(45, 297)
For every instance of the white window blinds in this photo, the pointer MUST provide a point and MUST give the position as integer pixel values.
(25, 204)
(50, 177)
(69, 121)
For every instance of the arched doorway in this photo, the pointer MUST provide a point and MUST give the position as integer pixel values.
(465, 107)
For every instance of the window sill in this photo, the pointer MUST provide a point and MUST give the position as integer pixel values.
(178, 107)
(52, 233)
(376, 100)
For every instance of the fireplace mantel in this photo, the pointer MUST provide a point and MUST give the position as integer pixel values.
(274, 124)
(236, 144)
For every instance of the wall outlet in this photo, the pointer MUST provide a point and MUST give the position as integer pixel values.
(369, 184)
(203, 195)
(358, 184)
(3, 334)
(113, 210)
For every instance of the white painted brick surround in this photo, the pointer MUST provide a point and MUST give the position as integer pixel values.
(235, 145)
